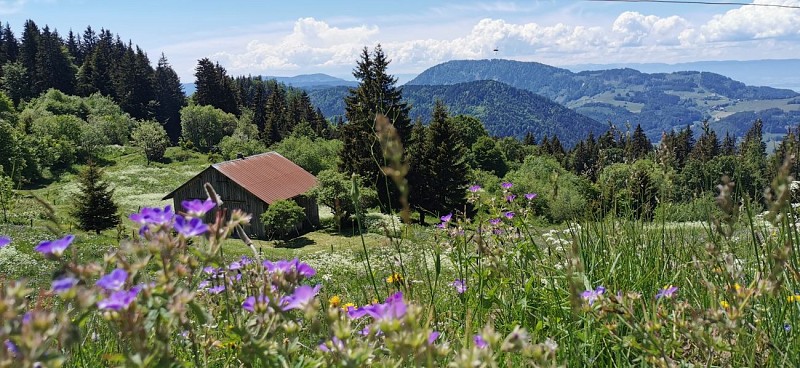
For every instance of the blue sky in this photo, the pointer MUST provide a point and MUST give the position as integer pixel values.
(301, 36)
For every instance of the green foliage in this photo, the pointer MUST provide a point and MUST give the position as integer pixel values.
(469, 129)
(215, 88)
(561, 194)
(487, 156)
(94, 207)
(205, 126)
(151, 137)
(7, 195)
(633, 189)
(313, 155)
(333, 191)
(281, 217)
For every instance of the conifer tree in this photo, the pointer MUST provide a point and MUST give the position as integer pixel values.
(171, 98)
(54, 69)
(638, 146)
(707, 146)
(95, 209)
(728, 146)
(419, 171)
(10, 47)
(29, 47)
(376, 94)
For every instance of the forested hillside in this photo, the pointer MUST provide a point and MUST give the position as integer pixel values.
(659, 102)
(504, 110)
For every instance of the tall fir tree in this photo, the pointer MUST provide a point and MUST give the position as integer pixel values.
(728, 146)
(215, 87)
(95, 209)
(29, 47)
(707, 146)
(638, 146)
(376, 94)
(10, 47)
(171, 98)
(54, 68)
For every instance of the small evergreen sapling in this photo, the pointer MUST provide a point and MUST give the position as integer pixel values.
(94, 206)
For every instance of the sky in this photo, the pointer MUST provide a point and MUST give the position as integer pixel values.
(285, 38)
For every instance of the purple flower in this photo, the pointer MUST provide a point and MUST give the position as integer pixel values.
(393, 308)
(153, 216)
(667, 292)
(592, 295)
(474, 188)
(191, 227)
(249, 304)
(531, 196)
(507, 185)
(197, 207)
(509, 215)
(4, 240)
(245, 260)
(216, 289)
(495, 221)
(11, 347)
(432, 337)
(336, 343)
(460, 285)
(235, 265)
(113, 281)
(64, 284)
(290, 267)
(55, 247)
(441, 225)
(119, 300)
(203, 285)
(511, 197)
(209, 270)
(447, 217)
(300, 298)
(480, 342)
(787, 327)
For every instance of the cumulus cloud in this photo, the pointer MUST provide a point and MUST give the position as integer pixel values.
(314, 44)
(754, 22)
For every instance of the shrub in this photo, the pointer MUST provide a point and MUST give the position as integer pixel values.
(152, 138)
(282, 217)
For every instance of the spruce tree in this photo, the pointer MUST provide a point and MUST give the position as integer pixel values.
(707, 146)
(728, 147)
(95, 209)
(639, 145)
(447, 162)
(10, 49)
(376, 94)
(29, 47)
(171, 98)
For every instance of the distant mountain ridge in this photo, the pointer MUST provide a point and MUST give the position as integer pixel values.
(304, 81)
(659, 102)
(504, 110)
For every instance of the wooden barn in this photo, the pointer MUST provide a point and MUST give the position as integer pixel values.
(251, 184)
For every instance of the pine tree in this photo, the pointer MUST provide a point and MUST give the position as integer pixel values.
(419, 171)
(215, 87)
(29, 47)
(171, 98)
(530, 139)
(95, 209)
(376, 94)
(638, 146)
(10, 48)
(707, 146)
(440, 166)
(728, 147)
(54, 68)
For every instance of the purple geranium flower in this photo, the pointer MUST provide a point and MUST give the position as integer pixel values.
(249, 304)
(209, 270)
(441, 225)
(235, 265)
(787, 327)
(113, 281)
(216, 289)
(197, 207)
(55, 247)
(592, 295)
(460, 285)
(64, 284)
(4, 240)
(203, 285)
(509, 215)
(393, 308)
(531, 196)
(447, 217)
(300, 298)
(667, 292)
(511, 197)
(480, 342)
(474, 188)
(432, 337)
(191, 227)
(119, 300)
(336, 342)
(494, 221)
(11, 347)
(507, 185)
(289, 267)
(153, 216)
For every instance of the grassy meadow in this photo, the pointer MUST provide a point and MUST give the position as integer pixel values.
(494, 289)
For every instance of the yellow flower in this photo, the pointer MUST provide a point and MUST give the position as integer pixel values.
(375, 301)
(737, 287)
(334, 301)
(724, 304)
(793, 298)
(394, 278)
(347, 306)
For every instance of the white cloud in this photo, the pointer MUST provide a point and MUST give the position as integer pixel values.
(313, 45)
(754, 22)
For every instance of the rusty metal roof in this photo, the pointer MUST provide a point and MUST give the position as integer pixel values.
(269, 176)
